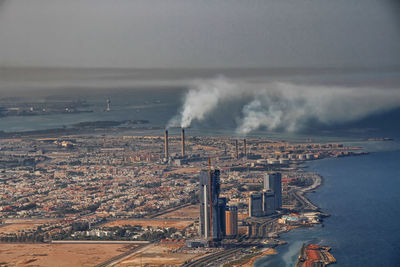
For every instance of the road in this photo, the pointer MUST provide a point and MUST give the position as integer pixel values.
(121, 257)
(204, 261)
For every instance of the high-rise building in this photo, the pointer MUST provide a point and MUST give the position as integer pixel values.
(212, 208)
(273, 181)
(255, 205)
(222, 219)
(268, 198)
(231, 221)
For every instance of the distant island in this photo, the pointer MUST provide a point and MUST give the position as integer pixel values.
(380, 139)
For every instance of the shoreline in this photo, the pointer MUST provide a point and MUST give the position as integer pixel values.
(265, 253)
(318, 182)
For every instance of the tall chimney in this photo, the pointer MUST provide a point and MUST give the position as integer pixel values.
(183, 142)
(166, 144)
(237, 149)
(244, 148)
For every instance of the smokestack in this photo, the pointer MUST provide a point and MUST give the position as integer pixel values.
(244, 148)
(237, 149)
(166, 144)
(183, 142)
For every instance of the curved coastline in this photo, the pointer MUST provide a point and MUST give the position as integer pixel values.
(318, 182)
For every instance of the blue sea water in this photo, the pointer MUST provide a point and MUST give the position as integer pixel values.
(362, 194)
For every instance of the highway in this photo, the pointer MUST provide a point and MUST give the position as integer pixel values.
(204, 261)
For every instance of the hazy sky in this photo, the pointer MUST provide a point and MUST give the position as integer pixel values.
(199, 33)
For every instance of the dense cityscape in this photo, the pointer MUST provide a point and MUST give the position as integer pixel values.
(201, 196)
(199, 133)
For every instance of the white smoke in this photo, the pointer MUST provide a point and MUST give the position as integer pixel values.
(283, 106)
(203, 97)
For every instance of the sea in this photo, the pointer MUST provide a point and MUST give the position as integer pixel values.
(362, 196)
(361, 193)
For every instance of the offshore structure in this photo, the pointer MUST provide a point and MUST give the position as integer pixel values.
(212, 207)
(108, 107)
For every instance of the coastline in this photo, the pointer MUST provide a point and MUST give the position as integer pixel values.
(264, 253)
(318, 182)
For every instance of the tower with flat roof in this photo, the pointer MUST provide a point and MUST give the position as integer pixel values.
(255, 205)
(231, 216)
(273, 182)
(212, 208)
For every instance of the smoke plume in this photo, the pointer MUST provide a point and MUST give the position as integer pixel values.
(281, 106)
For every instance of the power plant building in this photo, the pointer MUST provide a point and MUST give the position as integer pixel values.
(273, 181)
(212, 208)
(231, 221)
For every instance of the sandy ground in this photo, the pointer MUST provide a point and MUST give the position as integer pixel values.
(14, 228)
(158, 255)
(15, 225)
(62, 255)
(268, 251)
(37, 221)
(153, 223)
(189, 212)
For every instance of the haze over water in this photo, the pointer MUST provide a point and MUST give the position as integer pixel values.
(159, 95)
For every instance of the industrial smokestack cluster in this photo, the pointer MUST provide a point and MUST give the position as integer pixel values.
(166, 152)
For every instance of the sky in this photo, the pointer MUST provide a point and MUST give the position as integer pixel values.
(199, 34)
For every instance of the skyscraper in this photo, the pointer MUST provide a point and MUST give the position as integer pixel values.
(255, 205)
(268, 198)
(273, 181)
(222, 219)
(212, 208)
(231, 221)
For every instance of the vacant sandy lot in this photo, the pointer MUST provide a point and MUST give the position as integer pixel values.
(35, 221)
(189, 212)
(15, 225)
(158, 255)
(63, 255)
(14, 228)
(151, 222)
